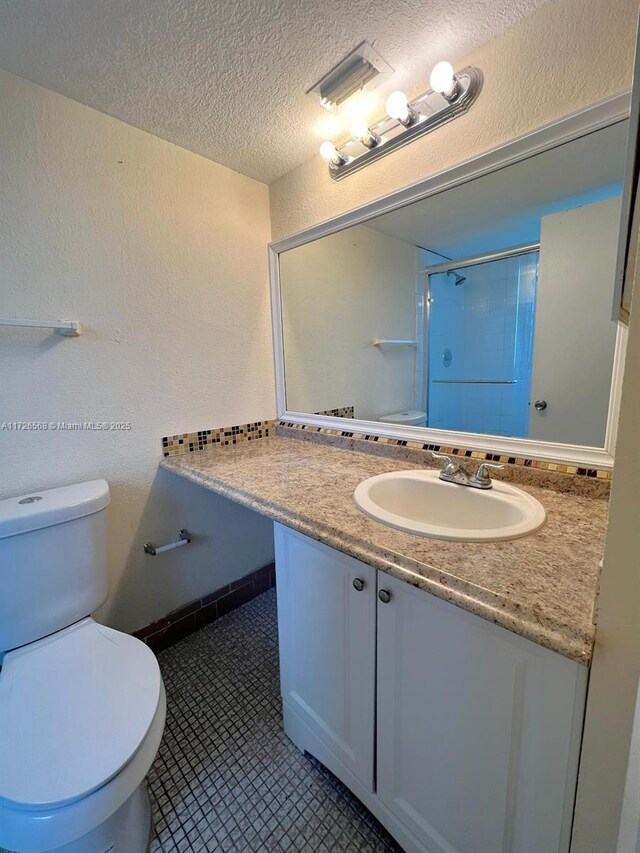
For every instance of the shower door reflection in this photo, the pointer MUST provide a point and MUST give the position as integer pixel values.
(479, 346)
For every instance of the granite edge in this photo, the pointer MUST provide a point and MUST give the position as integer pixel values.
(438, 582)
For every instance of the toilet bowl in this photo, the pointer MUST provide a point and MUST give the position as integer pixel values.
(411, 417)
(82, 708)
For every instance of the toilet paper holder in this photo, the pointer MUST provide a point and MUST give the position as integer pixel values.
(183, 539)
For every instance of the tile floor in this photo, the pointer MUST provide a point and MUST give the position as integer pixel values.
(226, 777)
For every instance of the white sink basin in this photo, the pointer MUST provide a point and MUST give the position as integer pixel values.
(419, 502)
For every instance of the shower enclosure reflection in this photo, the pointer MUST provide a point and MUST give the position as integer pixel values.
(486, 308)
(479, 346)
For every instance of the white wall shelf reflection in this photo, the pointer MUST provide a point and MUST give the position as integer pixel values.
(393, 342)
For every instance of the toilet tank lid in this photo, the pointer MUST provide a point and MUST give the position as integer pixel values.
(35, 510)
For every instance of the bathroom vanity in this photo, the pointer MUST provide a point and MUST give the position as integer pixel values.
(457, 734)
(443, 682)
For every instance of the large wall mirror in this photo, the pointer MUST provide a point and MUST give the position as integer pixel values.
(482, 310)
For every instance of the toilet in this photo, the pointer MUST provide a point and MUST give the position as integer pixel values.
(82, 707)
(412, 417)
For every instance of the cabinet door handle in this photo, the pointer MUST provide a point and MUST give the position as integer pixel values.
(358, 584)
(385, 596)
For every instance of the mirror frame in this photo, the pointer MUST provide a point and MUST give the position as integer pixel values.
(581, 123)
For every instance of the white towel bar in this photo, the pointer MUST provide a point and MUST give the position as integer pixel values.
(68, 328)
(153, 551)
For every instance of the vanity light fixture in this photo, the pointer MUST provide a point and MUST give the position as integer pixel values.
(450, 95)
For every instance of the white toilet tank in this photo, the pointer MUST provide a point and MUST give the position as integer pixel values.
(53, 569)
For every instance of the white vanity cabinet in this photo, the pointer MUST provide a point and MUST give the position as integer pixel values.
(476, 730)
(327, 636)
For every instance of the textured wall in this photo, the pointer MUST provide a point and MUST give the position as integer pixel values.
(338, 294)
(161, 255)
(566, 55)
(608, 745)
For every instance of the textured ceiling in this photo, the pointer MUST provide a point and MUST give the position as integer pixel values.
(227, 79)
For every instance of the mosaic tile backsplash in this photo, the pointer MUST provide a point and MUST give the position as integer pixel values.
(344, 412)
(559, 467)
(189, 442)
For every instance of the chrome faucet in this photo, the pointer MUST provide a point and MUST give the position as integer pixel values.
(452, 471)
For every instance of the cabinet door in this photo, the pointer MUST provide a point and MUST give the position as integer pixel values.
(478, 729)
(327, 647)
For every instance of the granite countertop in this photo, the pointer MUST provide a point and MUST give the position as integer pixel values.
(542, 587)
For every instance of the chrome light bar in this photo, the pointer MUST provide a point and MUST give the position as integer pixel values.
(429, 111)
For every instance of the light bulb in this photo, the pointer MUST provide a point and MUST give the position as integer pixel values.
(330, 153)
(359, 128)
(397, 106)
(328, 150)
(443, 79)
(361, 131)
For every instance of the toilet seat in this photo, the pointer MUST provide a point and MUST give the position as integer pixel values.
(35, 830)
(74, 709)
(30, 828)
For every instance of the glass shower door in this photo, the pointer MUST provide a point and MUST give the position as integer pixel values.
(480, 346)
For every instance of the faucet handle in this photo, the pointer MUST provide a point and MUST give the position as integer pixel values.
(481, 477)
(495, 465)
(443, 458)
(447, 463)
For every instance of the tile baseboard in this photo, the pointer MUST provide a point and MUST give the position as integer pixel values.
(190, 617)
